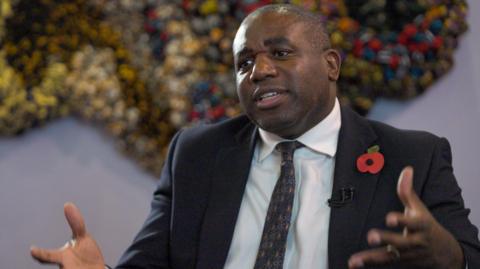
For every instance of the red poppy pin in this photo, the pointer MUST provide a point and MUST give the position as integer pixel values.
(372, 161)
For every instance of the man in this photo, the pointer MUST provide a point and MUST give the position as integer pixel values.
(219, 203)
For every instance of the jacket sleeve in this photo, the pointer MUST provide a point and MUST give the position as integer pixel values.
(442, 195)
(150, 248)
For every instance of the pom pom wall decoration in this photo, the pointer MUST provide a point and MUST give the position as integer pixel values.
(143, 69)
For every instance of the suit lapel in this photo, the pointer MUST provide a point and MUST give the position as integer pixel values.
(347, 222)
(231, 172)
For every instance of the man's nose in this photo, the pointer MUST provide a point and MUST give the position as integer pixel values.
(263, 68)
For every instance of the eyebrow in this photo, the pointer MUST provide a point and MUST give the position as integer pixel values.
(276, 41)
(268, 42)
(243, 52)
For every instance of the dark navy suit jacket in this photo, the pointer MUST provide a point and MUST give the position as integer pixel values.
(195, 206)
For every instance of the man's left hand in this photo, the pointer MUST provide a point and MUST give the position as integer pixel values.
(424, 243)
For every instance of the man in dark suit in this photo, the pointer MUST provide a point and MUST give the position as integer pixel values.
(216, 187)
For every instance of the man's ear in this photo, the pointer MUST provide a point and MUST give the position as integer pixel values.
(334, 62)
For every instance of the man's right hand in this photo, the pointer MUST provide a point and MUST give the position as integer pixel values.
(82, 252)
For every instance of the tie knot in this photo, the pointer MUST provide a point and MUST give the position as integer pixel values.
(288, 147)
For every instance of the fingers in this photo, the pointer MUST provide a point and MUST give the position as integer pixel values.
(400, 246)
(413, 245)
(405, 186)
(405, 190)
(75, 220)
(46, 256)
(414, 224)
(416, 215)
(374, 256)
(376, 238)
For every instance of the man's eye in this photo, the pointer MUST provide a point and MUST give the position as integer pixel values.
(245, 64)
(281, 53)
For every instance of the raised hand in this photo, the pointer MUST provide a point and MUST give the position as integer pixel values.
(80, 252)
(424, 243)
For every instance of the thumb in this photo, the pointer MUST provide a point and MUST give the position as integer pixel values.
(405, 189)
(52, 256)
(75, 220)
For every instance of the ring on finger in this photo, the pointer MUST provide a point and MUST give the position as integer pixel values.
(394, 251)
(71, 243)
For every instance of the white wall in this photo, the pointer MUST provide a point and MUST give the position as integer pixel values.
(67, 161)
(72, 161)
(451, 108)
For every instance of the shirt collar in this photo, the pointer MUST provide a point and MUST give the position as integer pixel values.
(322, 138)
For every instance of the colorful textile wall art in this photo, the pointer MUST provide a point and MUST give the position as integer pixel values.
(142, 69)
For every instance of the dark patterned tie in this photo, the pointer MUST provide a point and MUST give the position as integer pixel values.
(275, 230)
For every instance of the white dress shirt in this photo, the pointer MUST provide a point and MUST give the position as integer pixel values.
(314, 164)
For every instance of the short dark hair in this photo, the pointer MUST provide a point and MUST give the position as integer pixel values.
(314, 21)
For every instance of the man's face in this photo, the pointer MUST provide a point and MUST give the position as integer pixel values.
(285, 82)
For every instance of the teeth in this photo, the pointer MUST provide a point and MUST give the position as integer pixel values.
(268, 95)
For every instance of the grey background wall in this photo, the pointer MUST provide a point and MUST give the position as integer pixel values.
(72, 161)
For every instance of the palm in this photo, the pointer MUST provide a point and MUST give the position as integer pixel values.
(83, 253)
